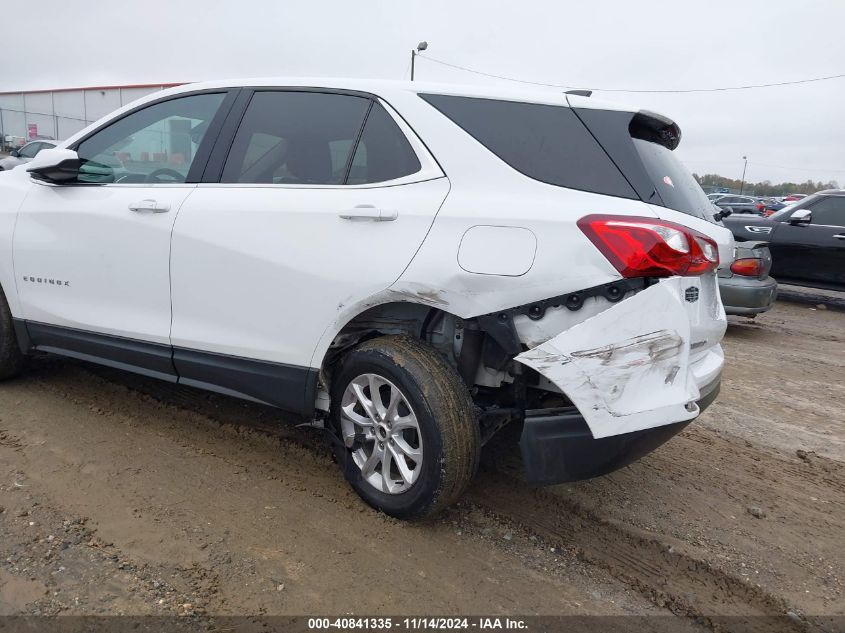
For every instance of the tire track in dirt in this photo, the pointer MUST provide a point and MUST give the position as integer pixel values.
(669, 578)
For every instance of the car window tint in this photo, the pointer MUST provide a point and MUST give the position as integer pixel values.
(829, 211)
(544, 142)
(29, 151)
(156, 144)
(289, 137)
(383, 153)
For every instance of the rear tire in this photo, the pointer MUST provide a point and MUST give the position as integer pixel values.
(11, 358)
(411, 450)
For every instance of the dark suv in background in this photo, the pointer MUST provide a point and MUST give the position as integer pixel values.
(806, 239)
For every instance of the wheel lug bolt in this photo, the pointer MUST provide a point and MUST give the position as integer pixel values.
(392, 441)
(381, 444)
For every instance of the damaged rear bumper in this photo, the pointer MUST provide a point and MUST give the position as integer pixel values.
(636, 374)
(558, 446)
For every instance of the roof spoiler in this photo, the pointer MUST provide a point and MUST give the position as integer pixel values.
(650, 126)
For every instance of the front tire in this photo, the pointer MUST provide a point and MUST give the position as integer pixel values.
(11, 357)
(411, 438)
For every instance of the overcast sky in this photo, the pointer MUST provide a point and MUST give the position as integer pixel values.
(788, 133)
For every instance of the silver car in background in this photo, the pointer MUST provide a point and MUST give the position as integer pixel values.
(745, 285)
(26, 153)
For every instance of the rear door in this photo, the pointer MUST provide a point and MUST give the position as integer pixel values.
(812, 253)
(321, 201)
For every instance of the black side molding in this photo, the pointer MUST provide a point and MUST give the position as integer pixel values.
(149, 359)
(287, 387)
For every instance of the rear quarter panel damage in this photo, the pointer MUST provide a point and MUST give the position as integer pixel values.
(627, 368)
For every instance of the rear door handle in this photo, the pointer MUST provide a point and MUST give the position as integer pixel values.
(149, 206)
(369, 212)
(841, 236)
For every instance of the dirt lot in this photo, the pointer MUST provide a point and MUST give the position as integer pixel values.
(119, 495)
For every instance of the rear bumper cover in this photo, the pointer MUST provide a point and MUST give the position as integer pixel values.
(744, 295)
(558, 446)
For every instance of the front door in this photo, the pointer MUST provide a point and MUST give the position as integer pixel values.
(812, 253)
(92, 258)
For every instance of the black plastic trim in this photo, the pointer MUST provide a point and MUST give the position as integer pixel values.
(225, 137)
(288, 387)
(198, 165)
(22, 335)
(557, 445)
(150, 359)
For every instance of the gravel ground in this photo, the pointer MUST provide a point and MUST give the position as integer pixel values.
(119, 495)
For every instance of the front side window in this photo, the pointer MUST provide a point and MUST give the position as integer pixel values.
(829, 211)
(157, 144)
(290, 137)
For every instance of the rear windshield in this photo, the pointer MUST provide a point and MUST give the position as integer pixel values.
(674, 184)
(545, 142)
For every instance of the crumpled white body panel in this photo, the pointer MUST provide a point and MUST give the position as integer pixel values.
(627, 368)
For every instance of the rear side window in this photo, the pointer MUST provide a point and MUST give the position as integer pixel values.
(383, 153)
(289, 137)
(545, 142)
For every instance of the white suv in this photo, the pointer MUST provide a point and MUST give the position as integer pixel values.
(411, 266)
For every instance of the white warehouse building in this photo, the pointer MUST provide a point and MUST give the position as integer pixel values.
(59, 113)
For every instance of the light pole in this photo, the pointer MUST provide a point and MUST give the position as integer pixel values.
(420, 48)
(742, 184)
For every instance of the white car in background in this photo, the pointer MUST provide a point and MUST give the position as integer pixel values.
(26, 153)
(411, 266)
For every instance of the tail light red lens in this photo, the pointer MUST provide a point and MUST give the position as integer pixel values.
(760, 206)
(750, 267)
(650, 247)
(767, 212)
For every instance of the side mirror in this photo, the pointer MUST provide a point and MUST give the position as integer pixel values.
(721, 213)
(14, 153)
(801, 216)
(55, 165)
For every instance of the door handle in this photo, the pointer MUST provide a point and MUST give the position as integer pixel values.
(150, 206)
(369, 212)
(841, 236)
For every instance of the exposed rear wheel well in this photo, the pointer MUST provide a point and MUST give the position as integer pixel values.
(421, 322)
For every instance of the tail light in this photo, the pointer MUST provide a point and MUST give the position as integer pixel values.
(650, 247)
(767, 213)
(751, 267)
(760, 206)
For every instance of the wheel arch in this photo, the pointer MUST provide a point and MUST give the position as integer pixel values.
(417, 319)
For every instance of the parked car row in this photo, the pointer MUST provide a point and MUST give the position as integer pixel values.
(764, 206)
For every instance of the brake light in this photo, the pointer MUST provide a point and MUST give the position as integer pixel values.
(767, 213)
(750, 267)
(760, 206)
(650, 247)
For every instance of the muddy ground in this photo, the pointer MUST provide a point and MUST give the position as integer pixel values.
(120, 495)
